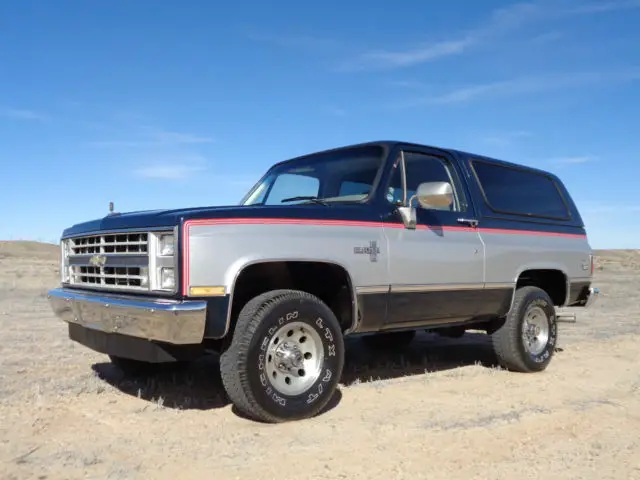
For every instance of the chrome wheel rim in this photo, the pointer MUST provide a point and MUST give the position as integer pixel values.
(535, 330)
(294, 358)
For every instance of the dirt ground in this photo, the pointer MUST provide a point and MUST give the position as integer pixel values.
(437, 411)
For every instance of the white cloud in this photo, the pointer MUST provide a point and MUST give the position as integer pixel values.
(171, 167)
(499, 23)
(168, 171)
(528, 85)
(22, 114)
(603, 7)
(335, 111)
(577, 160)
(413, 56)
(505, 138)
(154, 137)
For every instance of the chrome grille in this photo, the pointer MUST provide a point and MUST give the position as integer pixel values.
(133, 278)
(123, 243)
(118, 261)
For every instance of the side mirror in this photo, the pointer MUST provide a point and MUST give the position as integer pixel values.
(434, 195)
(430, 195)
(408, 215)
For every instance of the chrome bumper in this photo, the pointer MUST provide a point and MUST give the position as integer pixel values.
(592, 296)
(164, 320)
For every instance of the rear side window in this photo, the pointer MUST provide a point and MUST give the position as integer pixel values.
(520, 192)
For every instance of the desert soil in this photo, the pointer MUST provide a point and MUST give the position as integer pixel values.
(438, 410)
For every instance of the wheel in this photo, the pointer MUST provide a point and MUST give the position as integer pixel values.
(525, 342)
(285, 359)
(389, 340)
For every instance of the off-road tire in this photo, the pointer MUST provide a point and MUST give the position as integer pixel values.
(508, 342)
(389, 340)
(243, 366)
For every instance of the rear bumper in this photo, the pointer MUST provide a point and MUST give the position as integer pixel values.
(163, 320)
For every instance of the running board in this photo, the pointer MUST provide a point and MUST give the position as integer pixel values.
(565, 317)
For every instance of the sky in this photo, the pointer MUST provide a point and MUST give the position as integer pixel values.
(158, 104)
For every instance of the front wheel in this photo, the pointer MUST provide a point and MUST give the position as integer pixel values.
(526, 341)
(285, 359)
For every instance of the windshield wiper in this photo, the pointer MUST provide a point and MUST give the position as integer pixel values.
(310, 198)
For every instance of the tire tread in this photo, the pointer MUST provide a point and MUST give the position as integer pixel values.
(233, 362)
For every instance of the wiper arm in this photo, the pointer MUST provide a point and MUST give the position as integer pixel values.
(310, 198)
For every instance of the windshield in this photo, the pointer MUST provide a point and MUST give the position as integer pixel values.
(346, 175)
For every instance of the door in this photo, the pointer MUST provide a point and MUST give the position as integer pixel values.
(436, 272)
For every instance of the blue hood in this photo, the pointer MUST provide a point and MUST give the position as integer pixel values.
(153, 219)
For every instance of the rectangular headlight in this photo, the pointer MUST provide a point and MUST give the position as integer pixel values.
(167, 278)
(166, 245)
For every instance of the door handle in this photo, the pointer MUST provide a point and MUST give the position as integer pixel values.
(472, 222)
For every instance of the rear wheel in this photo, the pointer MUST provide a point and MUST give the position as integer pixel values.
(285, 359)
(526, 341)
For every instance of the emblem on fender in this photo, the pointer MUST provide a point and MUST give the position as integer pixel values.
(372, 250)
(98, 260)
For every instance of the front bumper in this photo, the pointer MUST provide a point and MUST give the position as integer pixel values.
(170, 321)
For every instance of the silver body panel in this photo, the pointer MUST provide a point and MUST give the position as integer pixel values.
(217, 252)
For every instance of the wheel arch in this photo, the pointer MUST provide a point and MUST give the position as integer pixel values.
(550, 277)
(240, 266)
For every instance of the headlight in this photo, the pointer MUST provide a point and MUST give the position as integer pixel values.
(167, 278)
(166, 244)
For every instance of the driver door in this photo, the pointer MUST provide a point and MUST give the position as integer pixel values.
(436, 272)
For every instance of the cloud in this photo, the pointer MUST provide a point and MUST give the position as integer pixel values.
(506, 138)
(527, 85)
(22, 114)
(603, 7)
(499, 23)
(335, 111)
(577, 160)
(170, 167)
(154, 137)
(547, 37)
(420, 54)
(169, 171)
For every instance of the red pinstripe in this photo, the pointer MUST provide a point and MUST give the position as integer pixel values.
(337, 223)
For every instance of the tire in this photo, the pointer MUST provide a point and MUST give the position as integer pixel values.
(389, 340)
(514, 352)
(254, 381)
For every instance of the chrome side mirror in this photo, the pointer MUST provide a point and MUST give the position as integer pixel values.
(408, 215)
(434, 195)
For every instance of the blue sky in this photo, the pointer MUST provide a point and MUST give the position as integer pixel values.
(169, 104)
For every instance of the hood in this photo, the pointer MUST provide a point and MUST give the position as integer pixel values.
(153, 219)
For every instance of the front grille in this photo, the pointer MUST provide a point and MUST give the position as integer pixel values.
(133, 278)
(117, 261)
(124, 243)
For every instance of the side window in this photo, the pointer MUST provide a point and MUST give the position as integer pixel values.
(291, 185)
(422, 168)
(354, 188)
(520, 192)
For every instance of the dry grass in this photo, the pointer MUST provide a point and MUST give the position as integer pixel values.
(437, 410)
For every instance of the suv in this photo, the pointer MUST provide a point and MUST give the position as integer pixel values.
(379, 239)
